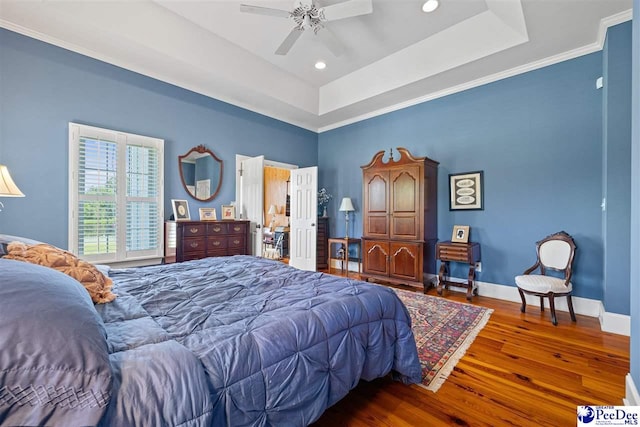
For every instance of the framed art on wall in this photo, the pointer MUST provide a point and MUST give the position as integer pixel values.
(466, 191)
(180, 210)
(460, 234)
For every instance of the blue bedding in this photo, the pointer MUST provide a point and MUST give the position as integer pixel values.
(245, 341)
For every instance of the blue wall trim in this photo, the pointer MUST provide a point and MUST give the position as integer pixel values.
(617, 167)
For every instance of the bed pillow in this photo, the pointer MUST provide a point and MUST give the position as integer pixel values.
(5, 239)
(54, 361)
(96, 283)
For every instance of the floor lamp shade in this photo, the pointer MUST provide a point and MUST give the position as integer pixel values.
(8, 188)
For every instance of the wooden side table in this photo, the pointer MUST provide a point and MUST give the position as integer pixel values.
(344, 245)
(467, 253)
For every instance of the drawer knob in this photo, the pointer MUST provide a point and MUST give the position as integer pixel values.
(216, 243)
(194, 244)
(237, 242)
(216, 229)
(236, 228)
(193, 230)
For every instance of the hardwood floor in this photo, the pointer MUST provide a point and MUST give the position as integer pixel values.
(520, 371)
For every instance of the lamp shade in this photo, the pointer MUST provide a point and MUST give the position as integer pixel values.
(272, 210)
(346, 205)
(8, 188)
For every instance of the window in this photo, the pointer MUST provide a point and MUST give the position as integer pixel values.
(115, 195)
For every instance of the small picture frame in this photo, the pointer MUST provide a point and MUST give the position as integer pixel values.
(466, 191)
(208, 214)
(228, 212)
(460, 234)
(180, 210)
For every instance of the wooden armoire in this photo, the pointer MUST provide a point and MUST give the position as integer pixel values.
(400, 218)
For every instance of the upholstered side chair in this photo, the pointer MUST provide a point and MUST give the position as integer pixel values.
(555, 252)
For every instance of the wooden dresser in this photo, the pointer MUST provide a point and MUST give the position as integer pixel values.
(200, 239)
(400, 225)
(322, 244)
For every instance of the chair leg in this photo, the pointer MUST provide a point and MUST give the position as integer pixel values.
(541, 303)
(552, 307)
(570, 304)
(524, 301)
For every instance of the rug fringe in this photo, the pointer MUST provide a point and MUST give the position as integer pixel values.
(446, 370)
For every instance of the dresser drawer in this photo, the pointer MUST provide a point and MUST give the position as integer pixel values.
(449, 253)
(237, 228)
(216, 229)
(192, 230)
(234, 242)
(216, 243)
(190, 245)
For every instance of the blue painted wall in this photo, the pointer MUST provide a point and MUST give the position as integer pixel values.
(617, 167)
(538, 139)
(635, 198)
(43, 88)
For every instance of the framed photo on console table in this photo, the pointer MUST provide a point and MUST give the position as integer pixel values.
(460, 234)
(466, 191)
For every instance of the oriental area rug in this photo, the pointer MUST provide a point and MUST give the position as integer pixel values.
(443, 330)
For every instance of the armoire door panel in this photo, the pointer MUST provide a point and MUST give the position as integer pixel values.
(377, 193)
(405, 227)
(376, 257)
(405, 194)
(406, 260)
(377, 226)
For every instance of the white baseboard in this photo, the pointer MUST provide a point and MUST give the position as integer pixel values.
(632, 397)
(609, 322)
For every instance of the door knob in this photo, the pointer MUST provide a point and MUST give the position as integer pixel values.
(313, 224)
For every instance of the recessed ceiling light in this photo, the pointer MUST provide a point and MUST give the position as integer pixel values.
(320, 65)
(430, 6)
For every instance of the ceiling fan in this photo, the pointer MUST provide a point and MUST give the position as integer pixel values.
(308, 16)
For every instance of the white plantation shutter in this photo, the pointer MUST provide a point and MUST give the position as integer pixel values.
(116, 195)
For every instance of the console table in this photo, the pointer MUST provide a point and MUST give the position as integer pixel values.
(467, 253)
(344, 245)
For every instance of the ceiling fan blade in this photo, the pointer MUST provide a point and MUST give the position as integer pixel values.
(289, 41)
(332, 43)
(258, 10)
(346, 9)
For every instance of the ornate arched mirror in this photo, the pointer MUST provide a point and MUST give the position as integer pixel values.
(201, 173)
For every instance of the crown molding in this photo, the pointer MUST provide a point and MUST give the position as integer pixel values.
(605, 24)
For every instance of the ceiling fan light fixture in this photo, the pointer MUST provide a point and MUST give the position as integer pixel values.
(320, 65)
(430, 6)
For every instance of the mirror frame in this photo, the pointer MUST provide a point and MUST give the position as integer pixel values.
(202, 150)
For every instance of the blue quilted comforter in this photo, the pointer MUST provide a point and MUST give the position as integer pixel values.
(244, 341)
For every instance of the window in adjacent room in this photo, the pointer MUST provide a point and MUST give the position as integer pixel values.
(115, 195)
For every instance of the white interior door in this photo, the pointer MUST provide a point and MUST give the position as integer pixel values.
(251, 198)
(304, 216)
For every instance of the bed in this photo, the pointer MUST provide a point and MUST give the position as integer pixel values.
(229, 341)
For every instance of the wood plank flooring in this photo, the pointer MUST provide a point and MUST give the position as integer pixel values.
(520, 371)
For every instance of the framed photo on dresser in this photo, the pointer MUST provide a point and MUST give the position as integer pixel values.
(228, 212)
(208, 214)
(180, 210)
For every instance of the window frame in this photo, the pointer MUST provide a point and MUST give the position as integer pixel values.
(122, 139)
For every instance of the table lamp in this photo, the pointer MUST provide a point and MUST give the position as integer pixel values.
(346, 206)
(8, 188)
(272, 211)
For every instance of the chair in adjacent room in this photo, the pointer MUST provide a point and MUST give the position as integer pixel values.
(555, 252)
